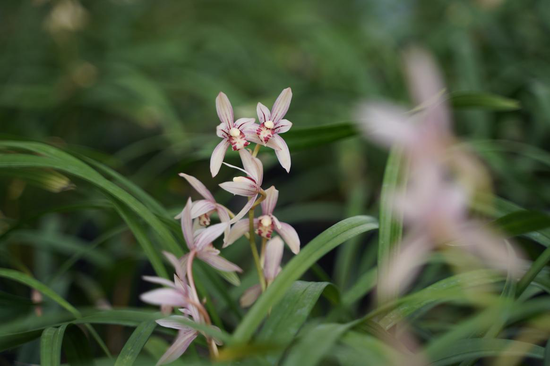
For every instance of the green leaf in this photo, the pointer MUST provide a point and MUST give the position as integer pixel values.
(288, 316)
(50, 345)
(311, 253)
(473, 100)
(9, 341)
(467, 349)
(363, 285)
(310, 349)
(547, 354)
(137, 340)
(77, 348)
(522, 222)
(448, 289)
(309, 137)
(391, 222)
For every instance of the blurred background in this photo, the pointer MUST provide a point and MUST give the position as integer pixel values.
(132, 84)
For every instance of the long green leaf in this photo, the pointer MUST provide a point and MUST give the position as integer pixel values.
(286, 319)
(317, 248)
(137, 340)
(391, 223)
(474, 100)
(51, 343)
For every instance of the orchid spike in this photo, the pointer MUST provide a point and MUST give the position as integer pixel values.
(233, 133)
(272, 124)
(249, 186)
(266, 224)
(200, 241)
(271, 268)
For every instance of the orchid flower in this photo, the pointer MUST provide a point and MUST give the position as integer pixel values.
(203, 209)
(233, 133)
(200, 241)
(272, 124)
(271, 268)
(249, 186)
(266, 223)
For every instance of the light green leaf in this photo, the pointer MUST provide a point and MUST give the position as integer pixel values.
(133, 346)
(474, 100)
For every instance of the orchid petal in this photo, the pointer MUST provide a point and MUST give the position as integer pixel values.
(253, 137)
(158, 281)
(246, 189)
(187, 224)
(250, 296)
(290, 236)
(180, 345)
(175, 262)
(173, 322)
(163, 296)
(244, 123)
(218, 154)
(244, 210)
(201, 207)
(283, 154)
(199, 187)
(221, 131)
(280, 107)
(263, 113)
(209, 234)
(273, 256)
(283, 126)
(225, 110)
(252, 165)
(276, 221)
(268, 205)
(224, 217)
(237, 230)
(213, 258)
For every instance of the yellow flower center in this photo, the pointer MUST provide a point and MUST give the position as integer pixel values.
(266, 221)
(239, 179)
(269, 124)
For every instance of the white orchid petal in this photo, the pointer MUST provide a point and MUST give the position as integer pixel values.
(263, 113)
(163, 296)
(199, 187)
(244, 123)
(218, 154)
(283, 154)
(246, 189)
(175, 262)
(209, 234)
(253, 166)
(280, 107)
(180, 345)
(187, 224)
(244, 210)
(283, 126)
(236, 231)
(201, 207)
(159, 281)
(273, 256)
(250, 296)
(290, 236)
(214, 260)
(225, 110)
(268, 205)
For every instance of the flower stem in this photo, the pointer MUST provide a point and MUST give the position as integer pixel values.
(254, 249)
(262, 252)
(256, 150)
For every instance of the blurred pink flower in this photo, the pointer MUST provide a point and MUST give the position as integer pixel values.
(271, 268)
(265, 224)
(200, 241)
(233, 133)
(250, 185)
(272, 124)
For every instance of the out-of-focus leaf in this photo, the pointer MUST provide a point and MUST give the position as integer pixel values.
(522, 222)
(77, 348)
(365, 283)
(310, 137)
(8, 341)
(473, 100)
(133, 346)
(391, 221)
(479, 348)
(288, 316)
(547, 354)
(317, 248)
(50, 345)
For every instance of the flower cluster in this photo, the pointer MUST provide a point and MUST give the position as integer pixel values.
(199, 233)
(442, 177)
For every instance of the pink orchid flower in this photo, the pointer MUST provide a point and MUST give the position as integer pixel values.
(233, 133)
(266, 224)
(200, 241)
(249, 186)
(271, 268)
(272, 124)
(203, 209)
